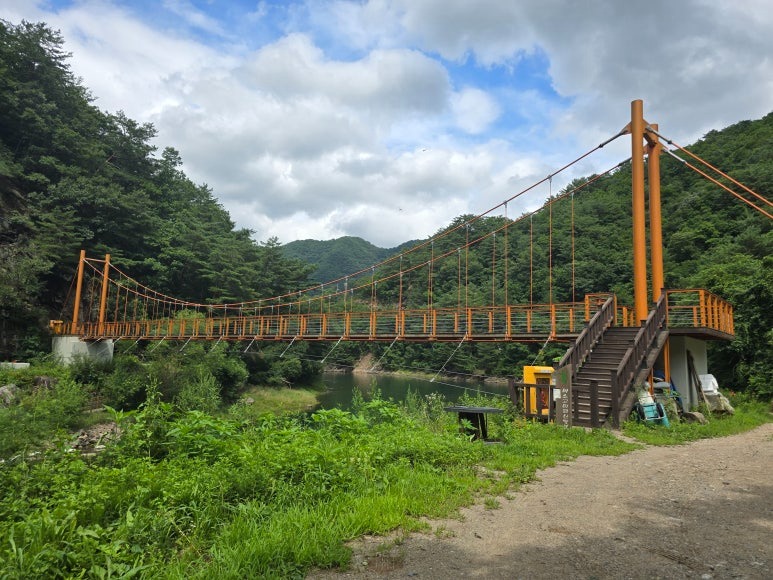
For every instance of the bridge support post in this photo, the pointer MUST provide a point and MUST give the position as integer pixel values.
(656, 231)
(68, 349)
(78, 289)
(640, 302)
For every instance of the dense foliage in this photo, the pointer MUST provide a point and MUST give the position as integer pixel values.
(334, 259)
(184, 493)
(72, 177)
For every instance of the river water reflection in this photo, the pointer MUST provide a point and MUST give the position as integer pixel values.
(340, 386)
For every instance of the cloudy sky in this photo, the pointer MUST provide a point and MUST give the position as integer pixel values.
(385, 119)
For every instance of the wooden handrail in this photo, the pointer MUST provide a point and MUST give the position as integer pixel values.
(589, 336)
(626, 370)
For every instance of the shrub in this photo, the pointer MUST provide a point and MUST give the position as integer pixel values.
(124, 388)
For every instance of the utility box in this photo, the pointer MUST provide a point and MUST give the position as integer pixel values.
(537, 389)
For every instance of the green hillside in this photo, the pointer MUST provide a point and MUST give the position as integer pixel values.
(72, 177)
(337, 258)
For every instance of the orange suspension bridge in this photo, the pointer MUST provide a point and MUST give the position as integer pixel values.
(380, 303)
(425, 294)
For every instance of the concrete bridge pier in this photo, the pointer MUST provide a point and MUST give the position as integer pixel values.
(70, 348)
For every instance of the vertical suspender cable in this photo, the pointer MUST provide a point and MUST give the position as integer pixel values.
(372, 287)
(493, 268)
(507, 251)
(550, 241)
(573, 261)
(400, 295)
(531, 258)
(466, 267)
(429, 274)
(458, 279)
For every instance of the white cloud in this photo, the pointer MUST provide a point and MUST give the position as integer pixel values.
(354, 121)
(475, 110)
(194, 16)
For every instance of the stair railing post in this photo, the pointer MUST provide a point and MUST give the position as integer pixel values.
(594, 404)
(615, 388)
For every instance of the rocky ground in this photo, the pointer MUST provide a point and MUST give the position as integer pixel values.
(702, 510)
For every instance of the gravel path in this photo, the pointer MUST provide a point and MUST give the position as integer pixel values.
(702, 510)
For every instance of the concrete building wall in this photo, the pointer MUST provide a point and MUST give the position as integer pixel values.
(69, 348)
(679, 345)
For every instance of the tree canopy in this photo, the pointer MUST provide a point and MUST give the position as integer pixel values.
(72, 177)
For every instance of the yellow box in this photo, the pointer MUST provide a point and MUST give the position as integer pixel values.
(536, 375)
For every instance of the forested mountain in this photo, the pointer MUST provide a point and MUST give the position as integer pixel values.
(337, 258)
(711, 240)
(72, 177)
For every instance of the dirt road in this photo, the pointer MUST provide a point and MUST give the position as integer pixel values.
(703, 510)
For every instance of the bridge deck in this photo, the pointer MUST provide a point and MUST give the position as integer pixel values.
(688, 310)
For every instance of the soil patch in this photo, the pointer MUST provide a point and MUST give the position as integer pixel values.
(701, 510)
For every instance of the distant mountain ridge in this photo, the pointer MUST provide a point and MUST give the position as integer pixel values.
(340, 257)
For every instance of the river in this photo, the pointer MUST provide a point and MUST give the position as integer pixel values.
(340, 386)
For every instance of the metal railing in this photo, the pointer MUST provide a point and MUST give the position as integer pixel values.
(698, 308)
(501, 323)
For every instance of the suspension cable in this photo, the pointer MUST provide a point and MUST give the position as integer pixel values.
(706, 163)
(716, 182)
(461, 342)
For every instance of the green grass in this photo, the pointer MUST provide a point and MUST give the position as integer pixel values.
(196, 495)
(748, 415)
(277, 400)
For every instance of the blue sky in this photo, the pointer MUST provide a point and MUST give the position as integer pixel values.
(385, 119)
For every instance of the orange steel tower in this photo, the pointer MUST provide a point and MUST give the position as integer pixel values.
(640, 132)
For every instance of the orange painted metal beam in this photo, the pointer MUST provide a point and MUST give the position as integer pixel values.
(78, 290)
(654, 149)
(103, 296)
(640, 299)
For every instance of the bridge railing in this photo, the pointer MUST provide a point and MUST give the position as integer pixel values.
(698, 308)
(501, 323)
(602, 319)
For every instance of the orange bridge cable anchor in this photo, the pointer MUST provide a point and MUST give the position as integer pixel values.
(716, 182)
(706, 163)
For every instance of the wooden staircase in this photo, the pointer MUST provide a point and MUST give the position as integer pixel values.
(607, 360)
(599, 366)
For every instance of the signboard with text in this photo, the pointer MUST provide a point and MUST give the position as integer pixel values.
(563, 387)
